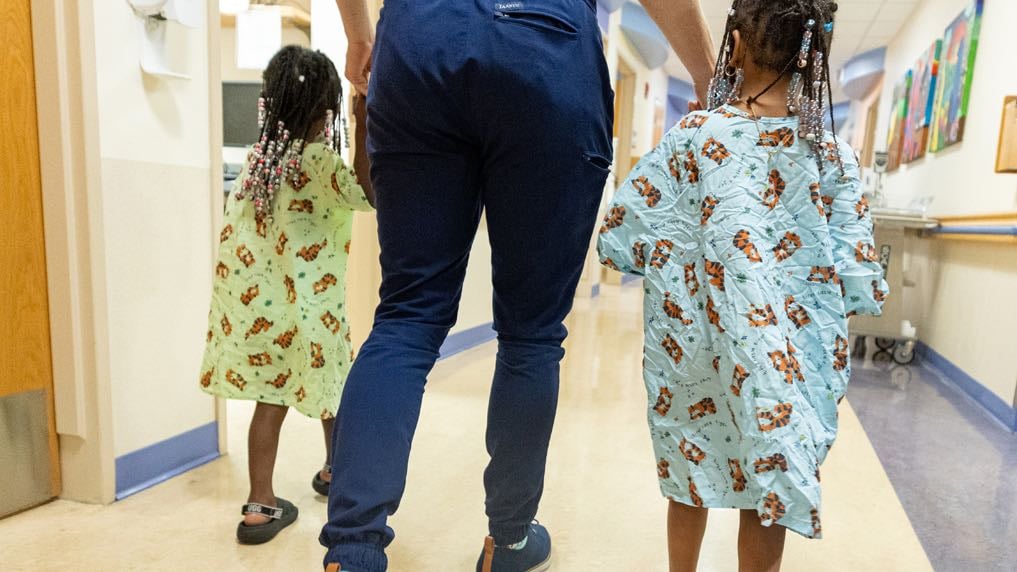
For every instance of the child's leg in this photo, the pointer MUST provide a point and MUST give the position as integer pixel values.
(760, 548)
(262, 446)
(326, 426)
(685, 528)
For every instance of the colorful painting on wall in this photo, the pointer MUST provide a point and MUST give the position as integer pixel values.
(956, 70)
(898, 117)
(920, 102)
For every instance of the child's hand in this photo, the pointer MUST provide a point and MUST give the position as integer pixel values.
(361, 162)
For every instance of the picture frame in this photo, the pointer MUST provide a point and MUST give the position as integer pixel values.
(898, 119)
(1006, 154)
(921, 98)
(956, 74)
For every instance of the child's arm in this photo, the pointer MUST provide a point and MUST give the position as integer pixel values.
(853, 244)
(640, 208)
(361, 162)
(350, 194)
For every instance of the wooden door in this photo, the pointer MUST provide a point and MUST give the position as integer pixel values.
(625, 94)
(28, 443)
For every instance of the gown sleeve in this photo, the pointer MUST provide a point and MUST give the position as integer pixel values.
(854, 250)
(334, 173)
(644, 204)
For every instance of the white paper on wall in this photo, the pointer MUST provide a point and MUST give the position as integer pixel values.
(234, 6)
(188, 12)
(153, 49)
(259, 37)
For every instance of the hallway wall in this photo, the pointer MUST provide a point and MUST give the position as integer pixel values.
(942, 174)
(651, 93)
(971, 294)
(157, 228)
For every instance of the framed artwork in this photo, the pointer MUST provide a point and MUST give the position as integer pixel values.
(1006, 157)
(898, 117)
(920, 101)
(956, 70)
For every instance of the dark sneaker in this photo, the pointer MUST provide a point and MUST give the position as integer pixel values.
(534, 557)
(319, 484)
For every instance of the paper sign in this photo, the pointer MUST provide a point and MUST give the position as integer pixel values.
(234, 6)
(189, 13)
(153, 49)
(259, 37)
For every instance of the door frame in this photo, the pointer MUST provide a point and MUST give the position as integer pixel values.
(66, 97)
(625, 105)
(64, 48)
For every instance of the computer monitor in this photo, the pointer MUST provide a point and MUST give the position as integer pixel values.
(240, 113)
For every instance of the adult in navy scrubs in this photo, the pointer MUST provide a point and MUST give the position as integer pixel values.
(501, 107)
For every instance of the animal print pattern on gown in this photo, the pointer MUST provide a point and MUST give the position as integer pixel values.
(754, 257)
(277, 331)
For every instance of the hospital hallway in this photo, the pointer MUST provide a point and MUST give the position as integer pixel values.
(918, 481)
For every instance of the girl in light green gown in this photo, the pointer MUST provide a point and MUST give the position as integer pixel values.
(278, 332)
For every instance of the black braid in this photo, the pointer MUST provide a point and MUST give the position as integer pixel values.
(299, 104)
(300, 88)
(772, 30)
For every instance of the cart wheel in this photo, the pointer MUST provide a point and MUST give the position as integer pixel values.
(885, 343)
(882, 356)
(904, 354)
(860, 347)
(901, 377)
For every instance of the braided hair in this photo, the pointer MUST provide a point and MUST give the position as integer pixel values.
(774, 30)
(300, 89)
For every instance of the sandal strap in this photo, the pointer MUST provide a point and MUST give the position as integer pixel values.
(327, 469)
(274, 513)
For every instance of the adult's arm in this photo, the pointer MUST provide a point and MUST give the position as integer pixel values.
(684, 26)
(360, 35)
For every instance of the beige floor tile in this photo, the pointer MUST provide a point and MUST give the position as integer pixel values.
(601, 500)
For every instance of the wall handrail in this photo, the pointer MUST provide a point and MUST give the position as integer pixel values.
(998, 228)
(1008, 230)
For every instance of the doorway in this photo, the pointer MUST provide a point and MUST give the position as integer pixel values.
(28, 441)
(624, 106)
(869, 144)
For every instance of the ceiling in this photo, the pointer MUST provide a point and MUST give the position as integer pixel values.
(861, 26)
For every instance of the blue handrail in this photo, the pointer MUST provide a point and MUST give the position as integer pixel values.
(1005, 230)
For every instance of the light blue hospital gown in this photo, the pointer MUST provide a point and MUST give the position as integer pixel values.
(754, 258)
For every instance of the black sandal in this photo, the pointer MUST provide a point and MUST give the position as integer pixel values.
(319, 484)
(281, 517)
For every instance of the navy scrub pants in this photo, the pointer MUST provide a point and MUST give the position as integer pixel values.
(502, 107)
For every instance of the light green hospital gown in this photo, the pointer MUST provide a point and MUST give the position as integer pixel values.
(753, 259)
(277, 330)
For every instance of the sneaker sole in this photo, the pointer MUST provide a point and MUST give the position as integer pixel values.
(543, 566)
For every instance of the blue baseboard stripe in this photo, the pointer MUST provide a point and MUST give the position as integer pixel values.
(466, 339)
(983, 396)
(627, 279)
(164, 460)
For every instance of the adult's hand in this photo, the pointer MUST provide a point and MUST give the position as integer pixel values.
(360, 37)
(358, 65)
(695, 106)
